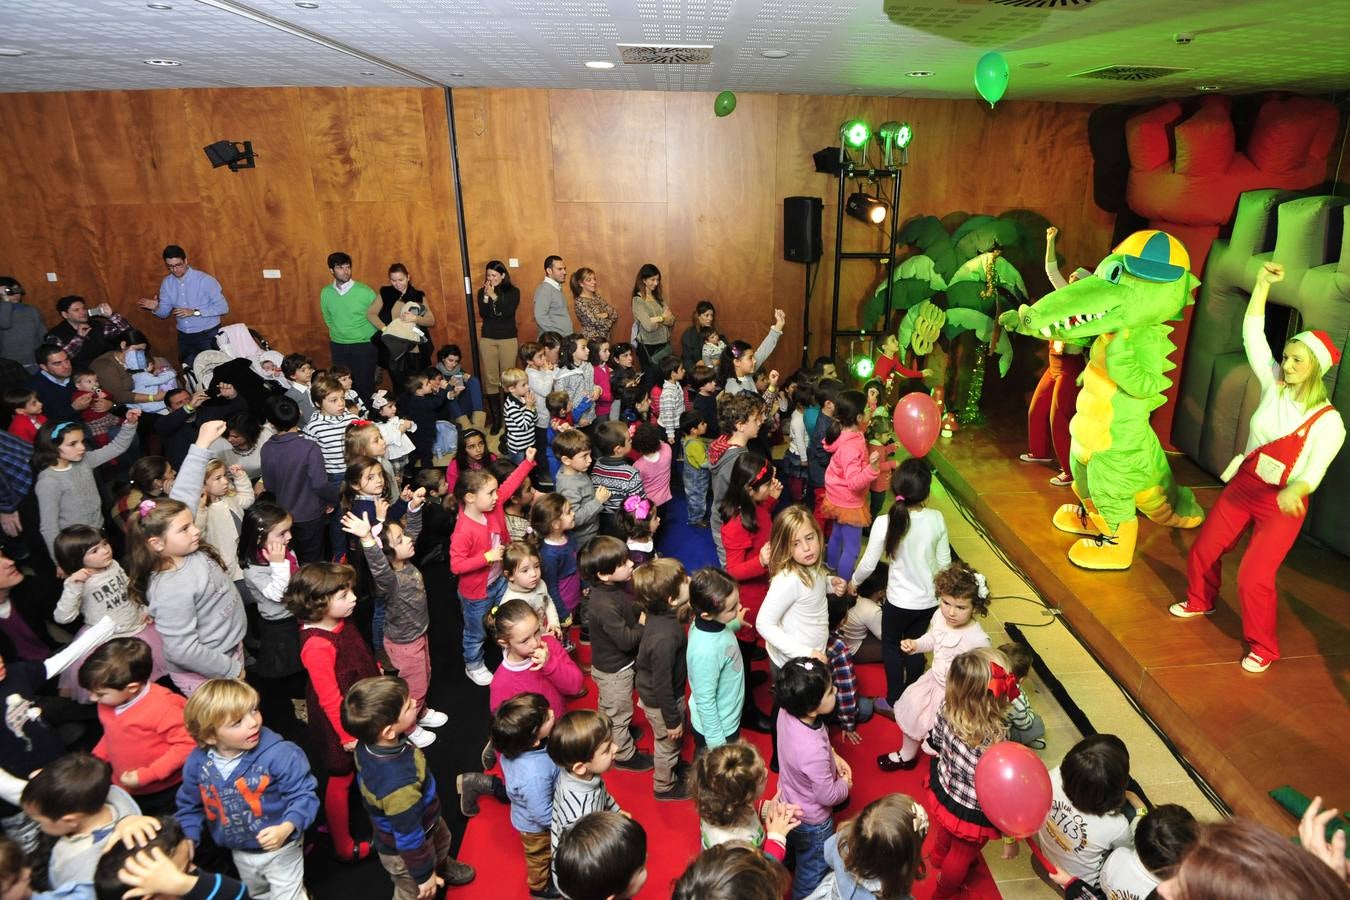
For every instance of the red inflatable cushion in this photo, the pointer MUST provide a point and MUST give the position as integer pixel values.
(1291, 131)
(1206, 141)
(1146, 136)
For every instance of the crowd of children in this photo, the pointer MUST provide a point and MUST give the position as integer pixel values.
(283, 569)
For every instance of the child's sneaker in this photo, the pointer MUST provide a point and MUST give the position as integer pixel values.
(432, 718)
(421, 738)
(479, 675)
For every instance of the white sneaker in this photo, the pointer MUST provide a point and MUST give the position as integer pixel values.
(479, 675)
(421, 738)
(432, 719)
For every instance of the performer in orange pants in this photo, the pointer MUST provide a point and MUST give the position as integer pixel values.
(1294, 435)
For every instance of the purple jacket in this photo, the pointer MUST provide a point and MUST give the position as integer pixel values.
(806, 775)
(292, 469)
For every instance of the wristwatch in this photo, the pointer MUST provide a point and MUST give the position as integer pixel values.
(196, 312)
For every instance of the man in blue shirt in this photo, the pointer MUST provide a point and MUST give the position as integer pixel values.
(194, 298)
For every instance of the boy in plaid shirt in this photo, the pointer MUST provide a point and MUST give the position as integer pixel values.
(850, 710)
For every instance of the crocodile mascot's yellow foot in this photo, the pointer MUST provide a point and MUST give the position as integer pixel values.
(1107, 551)
(1076, 518)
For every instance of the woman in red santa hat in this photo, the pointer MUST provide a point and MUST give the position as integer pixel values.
(1294, 435)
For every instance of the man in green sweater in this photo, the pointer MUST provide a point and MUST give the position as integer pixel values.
(351, 312)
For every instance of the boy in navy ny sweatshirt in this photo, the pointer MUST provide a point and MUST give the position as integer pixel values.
(253, 790)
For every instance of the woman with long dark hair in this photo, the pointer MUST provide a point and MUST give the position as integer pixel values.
(399, 299)
(651, 317)
(498, 299)
(700, 341)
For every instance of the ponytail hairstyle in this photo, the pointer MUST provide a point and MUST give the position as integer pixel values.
(749, 473)
(259, 520)
(312, 588)
(516, 553)
(961, 581)
(709, 589)
(848, 409)
(910, 483)
(471, 482)
(546, 509)
(977, 715)
(637, 516)
(351, 479)
(356, 439)
(149, 521)
(500, 619)
(727, 782)
(46, 443)
(726, 365)
(883, 844)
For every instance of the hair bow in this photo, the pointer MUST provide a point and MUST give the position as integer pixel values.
(920, 819)
(378, 399)
(900, 498)
(1003, 683)
(981, 586)
(633, 427)
(638, 506)
(735, 351)
(145, 507)
(763, 470)
(361, 423)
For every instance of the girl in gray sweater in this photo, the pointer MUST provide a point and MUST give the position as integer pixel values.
(182, 579)
(66, 492)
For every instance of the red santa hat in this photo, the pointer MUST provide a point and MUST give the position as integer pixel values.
(1319, 342)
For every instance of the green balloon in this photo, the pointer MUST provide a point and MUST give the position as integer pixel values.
(991, 77)
(725, 103)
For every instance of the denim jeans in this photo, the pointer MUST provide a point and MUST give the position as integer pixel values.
(447, 438)
(806, 843)
(470, 400)
(473, 611)
(696, 491)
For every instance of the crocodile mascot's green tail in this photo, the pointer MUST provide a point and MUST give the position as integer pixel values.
(1117, 462)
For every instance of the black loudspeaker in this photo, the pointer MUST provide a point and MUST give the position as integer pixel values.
(801, 229)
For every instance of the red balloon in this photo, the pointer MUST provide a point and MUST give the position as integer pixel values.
(1013, 788)
(917, 423)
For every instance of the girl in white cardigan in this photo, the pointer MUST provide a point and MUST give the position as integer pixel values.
(226, 493)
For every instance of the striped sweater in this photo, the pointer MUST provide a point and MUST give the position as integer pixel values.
(574, 798)
(520, 421)
(399, 793)
(620, 477)
(330, 433)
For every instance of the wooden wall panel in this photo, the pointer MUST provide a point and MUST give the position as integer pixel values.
(101, 181)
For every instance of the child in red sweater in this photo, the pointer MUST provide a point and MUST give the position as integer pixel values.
(25, 407)
(532, 662)
(476, 548)
(144, 739)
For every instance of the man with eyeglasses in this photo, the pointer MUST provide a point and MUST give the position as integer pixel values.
(192, 297)
(21, 327)
(84, 332)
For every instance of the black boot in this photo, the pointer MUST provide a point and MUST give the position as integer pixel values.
(493, 402)
(752, 718)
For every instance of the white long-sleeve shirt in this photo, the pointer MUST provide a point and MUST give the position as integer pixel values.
(797, 439)
(923, 551)
(1278, 414)
(794, 619)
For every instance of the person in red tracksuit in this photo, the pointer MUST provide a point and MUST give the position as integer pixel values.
(1294, 435)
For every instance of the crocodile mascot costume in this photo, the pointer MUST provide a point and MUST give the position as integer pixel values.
(1117, 463)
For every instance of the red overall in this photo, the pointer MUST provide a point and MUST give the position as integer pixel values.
(1053, 405)
(1248, 500)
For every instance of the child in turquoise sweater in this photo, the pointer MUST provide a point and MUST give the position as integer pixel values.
(713, 658)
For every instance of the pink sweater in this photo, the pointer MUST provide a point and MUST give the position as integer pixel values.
(655, 475)
(849, 475)
(559, 677)
(147, 738)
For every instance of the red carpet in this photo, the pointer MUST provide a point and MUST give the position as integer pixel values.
(492, 846)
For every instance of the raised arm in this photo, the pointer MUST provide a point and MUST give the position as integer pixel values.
(1052, 272)
(1254, 341)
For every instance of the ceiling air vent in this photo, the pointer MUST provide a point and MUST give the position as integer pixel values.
(665, 54)
(1047, 4)
(1129, 73)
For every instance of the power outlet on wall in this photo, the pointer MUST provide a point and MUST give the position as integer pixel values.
(271, 273)
(51, 276)
(513, 263)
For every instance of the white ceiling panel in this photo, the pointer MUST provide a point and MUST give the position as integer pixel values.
(833, 46)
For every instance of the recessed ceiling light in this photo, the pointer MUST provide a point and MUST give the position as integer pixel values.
(919, 73)
(12, 51)
(774, 54)
(456, 74)
(158, 6)
(1034, 65)
(1209, 87)
(306, 5)
(599, 64)
(162, 62)
(367, 73)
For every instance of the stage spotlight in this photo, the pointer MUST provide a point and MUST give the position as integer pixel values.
(855, 133)
(866, 208)
(862, 367)
(235, 154)
(903, 135)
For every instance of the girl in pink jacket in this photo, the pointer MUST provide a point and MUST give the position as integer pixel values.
(847, 480)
